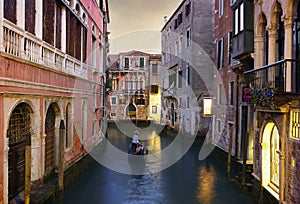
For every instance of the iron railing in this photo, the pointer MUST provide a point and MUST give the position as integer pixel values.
(282, 76)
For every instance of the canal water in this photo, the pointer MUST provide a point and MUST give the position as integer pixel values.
(180, 177)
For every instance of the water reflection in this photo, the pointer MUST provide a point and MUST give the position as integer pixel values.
(206, 191)
(145, 189)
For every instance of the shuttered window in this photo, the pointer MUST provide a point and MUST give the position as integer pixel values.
(48, 21)
(10, 8)
(30, 16)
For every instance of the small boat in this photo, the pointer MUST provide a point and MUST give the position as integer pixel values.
(140, 149)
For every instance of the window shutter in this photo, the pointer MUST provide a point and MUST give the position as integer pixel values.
(30, 16)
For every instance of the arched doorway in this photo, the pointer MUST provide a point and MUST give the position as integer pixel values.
(270, 156)
(50, 142)
(131, 110)
(19, 136)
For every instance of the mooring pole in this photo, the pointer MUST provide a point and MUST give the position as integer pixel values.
(62, 133)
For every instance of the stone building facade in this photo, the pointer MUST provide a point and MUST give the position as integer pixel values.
(134, 86)
(187, 67)
(275, 117)
(52, 73)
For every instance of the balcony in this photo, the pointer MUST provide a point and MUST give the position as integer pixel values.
(283, 76)
(242, 44)
(21, 44)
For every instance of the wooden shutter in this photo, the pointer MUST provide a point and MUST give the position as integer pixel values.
(30, 16)
(58, 26)
(10, 8)
(48, 21)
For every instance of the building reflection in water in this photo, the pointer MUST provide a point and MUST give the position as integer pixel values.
(206, 184)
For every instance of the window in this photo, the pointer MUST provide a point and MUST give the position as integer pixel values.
(187, 8)
(154, 89)
(142, 62)
(295, 125)
(242, 17)
(115, 84)
(176, 47)
(154, 68)
(113, 100)
(113, 114)
(221, 7)
(231, 93)
(175, 23)
(154, 109)
(280, 37)
(173, 77)
(94, 51)
(126, 62)
(219, 126)
(10, 10)
(239, 19)
(188, 37)
(220, 53)
(180, 45)
(187, 75)
(30, 16)
(179, 19)
(187, 102)
(229, 47)
(140, 101)
(220, 94)
(179, 78)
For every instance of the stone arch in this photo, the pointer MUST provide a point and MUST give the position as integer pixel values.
(276, 9)
(130, 110)
(19, 135)
(261, 24)
(52, 121)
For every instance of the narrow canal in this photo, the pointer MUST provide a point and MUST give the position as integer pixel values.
(131, 179)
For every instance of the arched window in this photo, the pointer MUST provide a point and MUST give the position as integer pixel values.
(280, 34)
(296, 35)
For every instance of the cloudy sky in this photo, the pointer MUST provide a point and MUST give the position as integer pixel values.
(136, 24)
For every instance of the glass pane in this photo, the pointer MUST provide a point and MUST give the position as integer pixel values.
(241, 17)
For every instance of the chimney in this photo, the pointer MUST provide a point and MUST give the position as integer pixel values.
(165, 19)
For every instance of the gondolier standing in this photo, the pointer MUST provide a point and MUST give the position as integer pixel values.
(135, 141)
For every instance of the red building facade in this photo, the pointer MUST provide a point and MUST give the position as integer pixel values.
(51, 70)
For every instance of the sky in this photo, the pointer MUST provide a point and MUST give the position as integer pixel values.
(136, 24)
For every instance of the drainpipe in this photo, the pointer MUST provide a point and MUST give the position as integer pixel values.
(236, 115)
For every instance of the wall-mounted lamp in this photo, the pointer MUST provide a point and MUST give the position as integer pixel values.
(207, 106)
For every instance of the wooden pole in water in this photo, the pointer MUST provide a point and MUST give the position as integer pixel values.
(62, 133)
(27, 171)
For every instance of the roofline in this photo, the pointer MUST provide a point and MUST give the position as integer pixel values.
(180, 5)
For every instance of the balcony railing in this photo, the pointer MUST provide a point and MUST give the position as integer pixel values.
(24, 45)
(283, 76)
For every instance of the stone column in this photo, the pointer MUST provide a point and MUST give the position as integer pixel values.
(21, 14)
(259, 50)
(272, 42)
(288, 48)
(282, 154)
